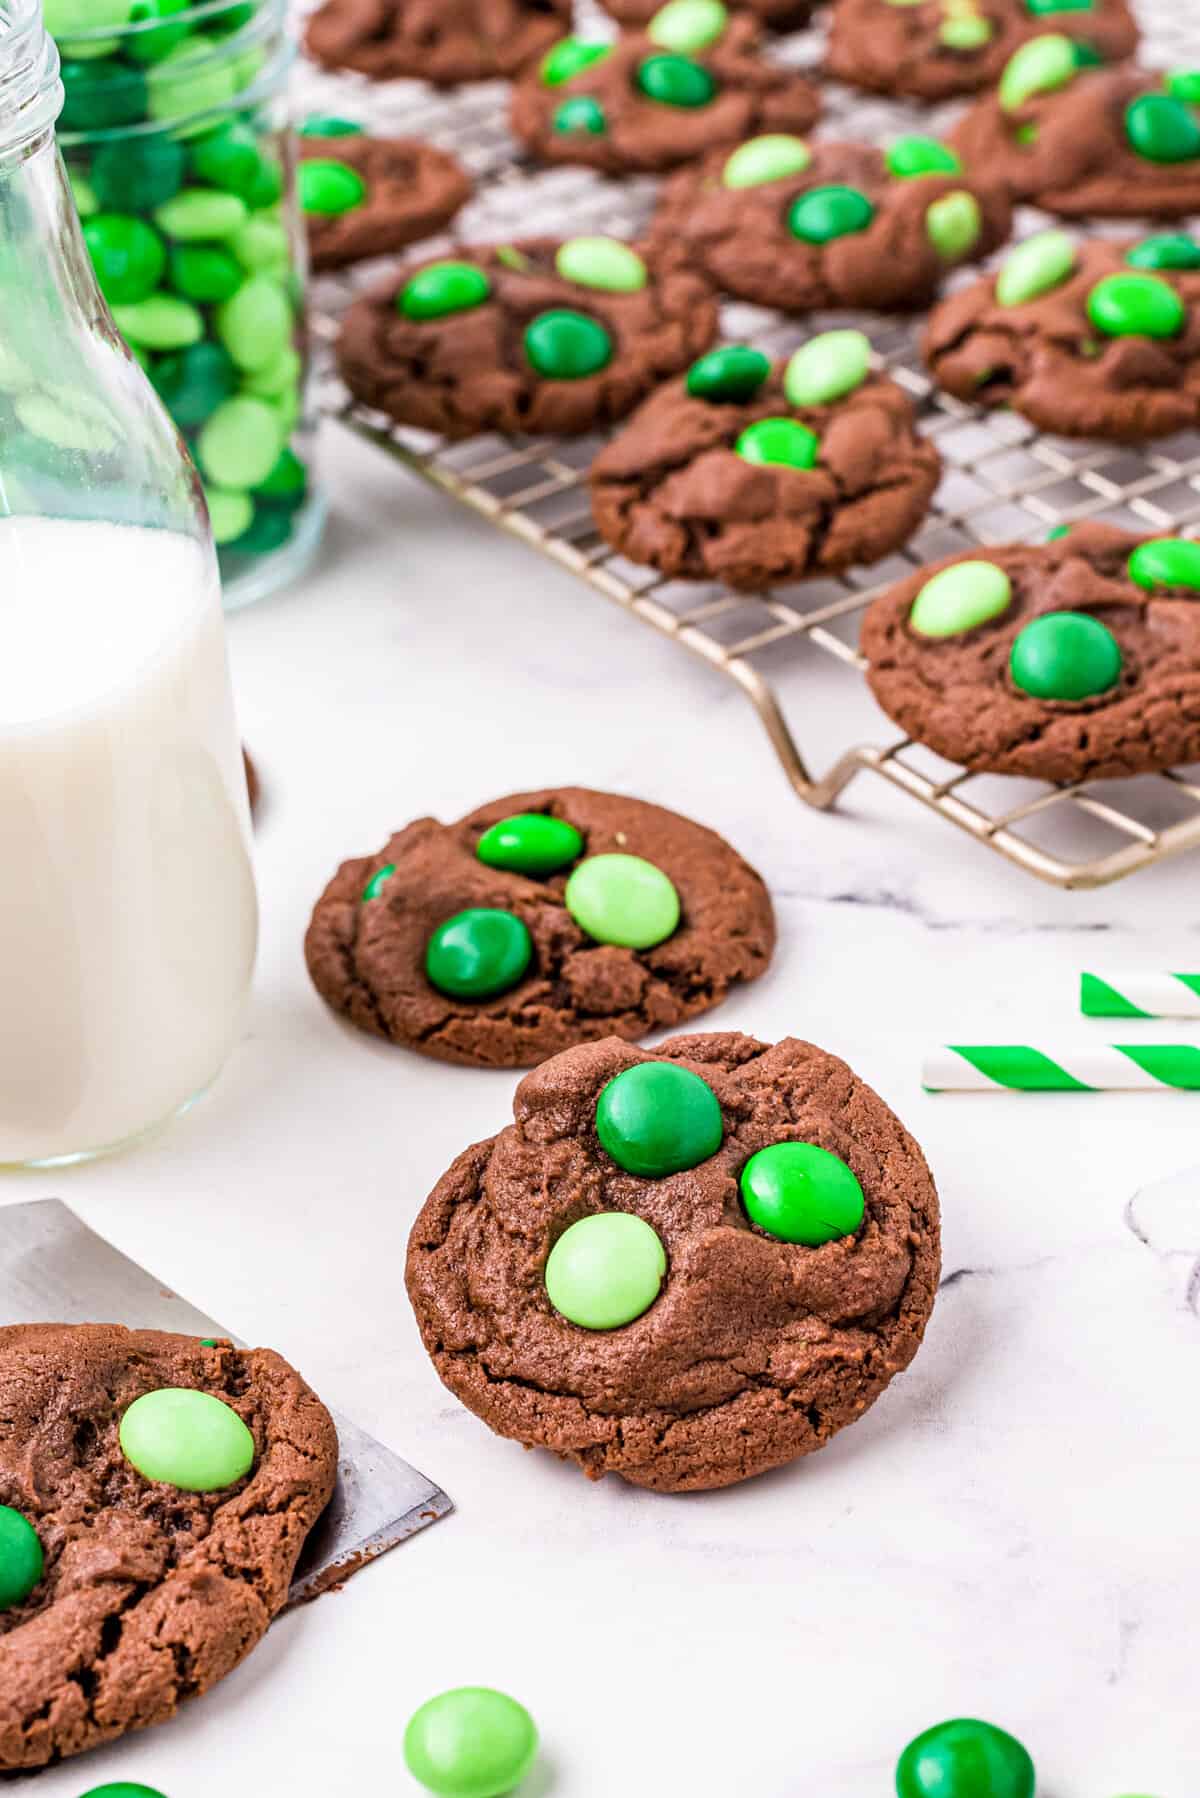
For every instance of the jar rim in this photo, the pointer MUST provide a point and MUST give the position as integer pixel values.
(197, 13)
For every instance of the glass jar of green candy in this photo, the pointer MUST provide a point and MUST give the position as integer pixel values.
(175, 133)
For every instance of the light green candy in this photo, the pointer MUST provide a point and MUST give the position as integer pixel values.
(624, 900)
(229, 512)
(241, 443)
(827, 368)
(1037, 266)
(954, 225)
(1039, 67)
(960, 598)
(66, 17)
(278, 377)
(601, 262)
(201, 215)
(160, 322)
(262, 243)
(970, 31)
(772, 157)
(256, 324)
(84, 195)
(188, 1439)
(688, 25)
(190, 80)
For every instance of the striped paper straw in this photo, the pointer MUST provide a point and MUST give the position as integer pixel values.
(1141, 995)
(1016, 1067)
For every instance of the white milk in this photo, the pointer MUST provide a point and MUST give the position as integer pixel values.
(127, 907)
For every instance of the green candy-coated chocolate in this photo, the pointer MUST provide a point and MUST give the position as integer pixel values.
(601, 262)
(229, 513)
(194, 382)
(101, 96)
(204, 273)
(802, 1193)
(730, 375)
(21, 1560)
(657, 1119)
(828, 212)
(960, 599)
(779, 442)
(1185, 85)
(201, 215)
(1136, 306)
(136, 175)
(530, 843)
(1168, 562)
(443, 287)
(1042, 8)
(160, 322)
(567, 346)
(569, 57)
(1169, 249)
(581, 114)
(240, 443)
(377, 882)
(267, 531)
(189, 81)
(180, 1437)
(127, 254)
(772, 157)
(968, 31)
(321, 126)
(909, 156)
(470, 1743)
(1160, 128)
(123, 1788)
(256, 324)
(229, 158)
(65, 19)
(477, 953)
(287, 483)
(965, 1759)
(688, 25)
(1037, 266)
(262, 244)
(954, 225)
(827, 368)
(328, 188)
(279, 379)
(1041, 66)
(624, 900)
(1065, 656)
(267, 189)
(605, 1270)
(156, 41)
(675, 81)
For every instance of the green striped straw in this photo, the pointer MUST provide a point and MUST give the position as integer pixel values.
(1139, 995)
(1017, 1067)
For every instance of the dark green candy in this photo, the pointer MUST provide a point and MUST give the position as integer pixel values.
(328, 188)
(192, 383)
(152, 45)
(530, 843)
(100, 95)
(1167, 562)
(204, 273)
(1161, 128)
(828, 212)
(377, 882)
(267, 186)
(330, 127)
(287, 483)
(567, 346)
(965, 1759)
(581, 114)
(570, 57)
(731, 374)
(478, 953)
(1171, 249)
(1065, 656)
(268, 530)
(21, 1559)
(137, 175)
(443, 287)
(779, 442)
(1042, 8)
(658, 1118)
(675, 81)
(229, 159)
(127, 254)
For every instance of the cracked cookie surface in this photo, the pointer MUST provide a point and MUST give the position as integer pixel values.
(756, 1351)
(413, 190)
(150, 1594)
(441, 41)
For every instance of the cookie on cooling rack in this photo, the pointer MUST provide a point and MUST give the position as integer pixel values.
(368, 196)
(441, 41)
(935, 49)
(658, 98)
(538, 921)
(540, 336)
(779, 15)
(1080, 141)
(756, 476)
(813, 227)
(1076, 660)
(1100, 339)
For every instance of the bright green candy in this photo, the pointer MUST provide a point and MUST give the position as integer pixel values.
(530, 843)
(675, 81)
(1185, 85)
(828, 212)
(1136, 306)
(179, 1437)
(477, 953)
(318, 126)
(240, 444)
(1170, 249)
(137, 175)
(329, 188)
(567, 346)
(581, 114)
(954, 225)
(268, 185)
(160, 322)
(969, 31)
(229, 513)
(1167, 562)
(154, 42)
(960, 599)
(827, 368)
(624, 900)
(688, 25)
(570, 56)
(1035, 267)
(1161, 128)
(779, 442)
(229, 158)
(658, 1118)
(601, 262)
(965, 1759)
(1040, 8)
(1065, 655)
(377, 882)
(287, 483)
(1039, 67)
(922, 156)
(732, 374)
(99, 96)
(195, 382)
(204, 273)
(123, 1788)
(256, 324)
(200, 215)
(443, 287)
(189, 80)
(801, 1193)
(773, 157)
(127, 255)
(605, 1270)
(470, 1743)
(21, 1560)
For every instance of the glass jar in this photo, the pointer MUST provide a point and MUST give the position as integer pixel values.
(127, 907)
(175, 134)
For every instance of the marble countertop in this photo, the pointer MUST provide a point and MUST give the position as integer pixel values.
(1009, 1533)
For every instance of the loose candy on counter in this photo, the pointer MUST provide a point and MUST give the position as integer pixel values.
(180, 1437)
(623, 899)
(605, 1270)
(965, 1758)
(478, 953)
(802, 1193)
(658, 1118)
(21, 1560)
(472, 1742)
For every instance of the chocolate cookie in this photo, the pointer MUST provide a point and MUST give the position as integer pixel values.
(538, 921)
(1078, 660)
(753, 476)
(635, 106)
(816, 227)
(1093, 340)
(369, 196)
(142, 1592)
(684, 1267)
(442, 41)
(544, 337)
(935, 49)
(1081, 141)
(779, 15)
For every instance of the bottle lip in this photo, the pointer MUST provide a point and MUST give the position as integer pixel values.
(31, 93)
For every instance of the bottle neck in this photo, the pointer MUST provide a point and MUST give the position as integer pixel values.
(31, 92)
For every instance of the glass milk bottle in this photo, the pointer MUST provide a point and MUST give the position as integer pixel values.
(128, 916)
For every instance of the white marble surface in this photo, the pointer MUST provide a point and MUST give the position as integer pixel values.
(1010, 1532)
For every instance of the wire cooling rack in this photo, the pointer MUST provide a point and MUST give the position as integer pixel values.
(793, 651)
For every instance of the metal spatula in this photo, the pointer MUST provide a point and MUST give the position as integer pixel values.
(54, 1269)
